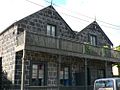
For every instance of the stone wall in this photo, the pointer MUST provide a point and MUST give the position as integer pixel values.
(94, 29)
(7, 52)
(18, 69)
(94, 66)
(37, 23)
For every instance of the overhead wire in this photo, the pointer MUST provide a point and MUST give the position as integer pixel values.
(86, 16)
(83, 14)
(112, 26)
(35, 3)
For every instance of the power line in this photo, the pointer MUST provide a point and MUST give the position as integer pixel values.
(69, 10)
(83, 15)
(35, 3)
(88, 21)
(78, 17)
(109, 23)
(60, 12)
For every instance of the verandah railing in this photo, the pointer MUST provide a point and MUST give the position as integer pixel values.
(69, 45)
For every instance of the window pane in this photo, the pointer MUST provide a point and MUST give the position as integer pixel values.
(41, 74)
(104, 84)
(48, 29)
(61, 74)
(41, 71)
(34, 71)
(66, 73)
(92, 40)
(118, 84)
(53, 31)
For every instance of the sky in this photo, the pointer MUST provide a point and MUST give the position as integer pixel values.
(77, 13)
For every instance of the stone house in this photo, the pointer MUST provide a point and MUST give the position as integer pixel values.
(41, 52)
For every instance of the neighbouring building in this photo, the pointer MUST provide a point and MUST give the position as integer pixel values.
(41, 52)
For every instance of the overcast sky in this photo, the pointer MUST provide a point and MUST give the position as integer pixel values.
(77, 13)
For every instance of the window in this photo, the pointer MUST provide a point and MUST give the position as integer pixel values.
(104, 85)
(118, 84)
(51, 30)
(93, 40)
(77, 78)
(101, 73)
(38, 74)
(65, 76)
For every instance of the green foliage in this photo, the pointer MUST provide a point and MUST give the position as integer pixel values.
(117, 64)
(106, 46)
(117, 48)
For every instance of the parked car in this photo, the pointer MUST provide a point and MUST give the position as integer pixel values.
(107, 84)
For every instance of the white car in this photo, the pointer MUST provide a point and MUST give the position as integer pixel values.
(107, 84)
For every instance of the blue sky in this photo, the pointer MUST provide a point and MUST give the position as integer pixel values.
(84, 10)
(59, 2)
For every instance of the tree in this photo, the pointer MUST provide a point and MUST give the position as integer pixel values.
(6, 84)
(117, 48)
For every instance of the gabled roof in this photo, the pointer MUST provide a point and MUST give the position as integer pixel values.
(50, 8)
(8, 28)
(92, 25)
(62, 19)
